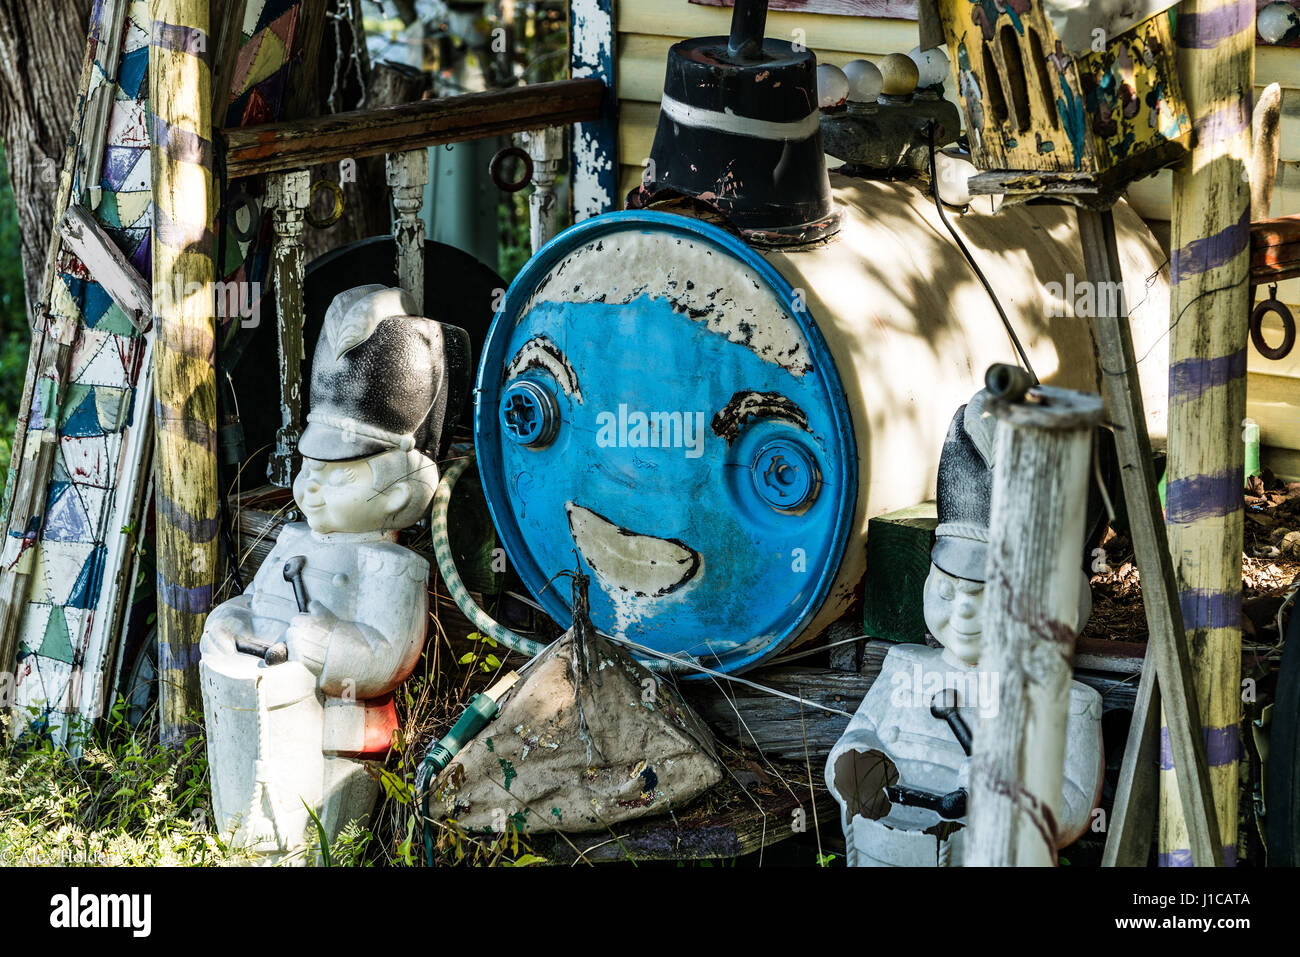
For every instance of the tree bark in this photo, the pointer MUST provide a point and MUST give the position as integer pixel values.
(41, 45)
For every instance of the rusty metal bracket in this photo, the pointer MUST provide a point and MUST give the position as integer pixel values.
(1282, 311)
(336, 207)
(497, 166)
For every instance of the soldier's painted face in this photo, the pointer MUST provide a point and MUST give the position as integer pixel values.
(341, 497)
(954, 613)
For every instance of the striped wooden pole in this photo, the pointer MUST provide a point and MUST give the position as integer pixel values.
(1209, 270)
(185, 396)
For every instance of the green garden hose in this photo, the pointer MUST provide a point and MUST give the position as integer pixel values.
(447, 567)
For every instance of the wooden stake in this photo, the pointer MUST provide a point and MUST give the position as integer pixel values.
(1209, 270)
(185, 403)
(1031, 609)
(1123, 394)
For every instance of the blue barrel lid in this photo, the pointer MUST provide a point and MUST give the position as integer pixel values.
(656, 406)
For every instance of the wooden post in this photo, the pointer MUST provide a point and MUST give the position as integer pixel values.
(1166, 647)
(594, 143)
(1031, 608)
(546, 148)
(407, 175)
(1209, 271)
(288, 195)
(185, 400)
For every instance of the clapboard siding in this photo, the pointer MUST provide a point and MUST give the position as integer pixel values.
(648, 27)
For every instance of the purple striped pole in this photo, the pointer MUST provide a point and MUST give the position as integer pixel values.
(185, 385)
(1209, 270)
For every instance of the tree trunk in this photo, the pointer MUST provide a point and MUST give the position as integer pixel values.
(41, 46)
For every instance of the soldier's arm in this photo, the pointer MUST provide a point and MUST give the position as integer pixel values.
(373, 654)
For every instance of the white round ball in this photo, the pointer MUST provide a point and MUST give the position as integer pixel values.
(1276, 20)
(865, 81)
(953, 171)
(931, 65)
(832, 86)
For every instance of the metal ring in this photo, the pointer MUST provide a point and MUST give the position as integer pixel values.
(1257, 329)
(335, 214)
(234, 203)
(498, 161)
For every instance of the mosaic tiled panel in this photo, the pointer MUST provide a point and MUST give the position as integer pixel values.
(257, 89)
(60, 662)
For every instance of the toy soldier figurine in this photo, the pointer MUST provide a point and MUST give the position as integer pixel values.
(298, 671)
(902, 767)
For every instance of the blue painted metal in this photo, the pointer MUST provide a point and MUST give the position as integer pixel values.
(528, 413)
(756, 521)
(594, 145)
(785, 474)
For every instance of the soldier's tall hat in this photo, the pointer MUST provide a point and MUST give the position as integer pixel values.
(381, 378)
(964, 496)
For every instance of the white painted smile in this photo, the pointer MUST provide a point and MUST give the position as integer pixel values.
(641, 565)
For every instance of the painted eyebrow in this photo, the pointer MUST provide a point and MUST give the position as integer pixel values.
(748, 404)
(541, 352)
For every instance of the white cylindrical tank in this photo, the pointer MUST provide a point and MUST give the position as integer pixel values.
(706, 427)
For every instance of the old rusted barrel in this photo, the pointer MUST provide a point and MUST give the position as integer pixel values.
(706, 427)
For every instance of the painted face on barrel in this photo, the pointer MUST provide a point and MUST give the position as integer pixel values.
(954, 614)
(663, 423)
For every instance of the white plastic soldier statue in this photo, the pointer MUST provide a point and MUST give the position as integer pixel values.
(337, 597)
(901, 769)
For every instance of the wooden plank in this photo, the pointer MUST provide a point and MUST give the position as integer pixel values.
(1274, 403)
(229, 36)
(593, 156)
(774, 725)
(1284, 463)
(693, 834)
(1132, 819)
(1123, 395)
(889, 9)
(302, 98)
(99, 102)
(108, 265)
(753, 718)
(1277, 65)
(677, 18)
(299, 144)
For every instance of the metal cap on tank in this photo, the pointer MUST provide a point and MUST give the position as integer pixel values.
(739, 130)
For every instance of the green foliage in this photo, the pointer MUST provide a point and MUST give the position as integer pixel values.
(127, 801)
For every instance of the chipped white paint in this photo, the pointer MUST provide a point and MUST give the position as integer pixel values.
(635, 571)
(408, 174)
(541, 352)
(593, 28)
(589, 197)
(287, 196)
(728, 121)
(629, 561)
(726, 295)
(546, 148)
